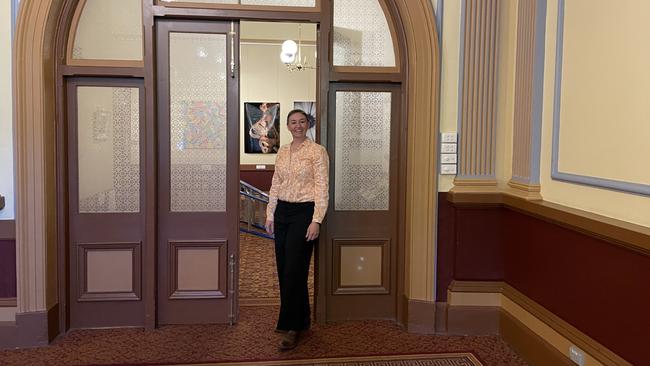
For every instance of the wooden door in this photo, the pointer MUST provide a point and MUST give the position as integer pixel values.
(361, 230)
(106, 201)
(198, 171)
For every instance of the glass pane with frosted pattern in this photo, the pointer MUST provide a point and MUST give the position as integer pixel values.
(109, 30)
(361, 34)
(108, 142)
(361, 177)
(197, 85)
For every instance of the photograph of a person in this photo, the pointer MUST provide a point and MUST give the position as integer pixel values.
(310, 108)
(261, 132)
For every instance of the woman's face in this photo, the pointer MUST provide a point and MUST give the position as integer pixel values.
(298, 125)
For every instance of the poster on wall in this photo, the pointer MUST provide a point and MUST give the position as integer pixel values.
(310, 109)
(261, 128)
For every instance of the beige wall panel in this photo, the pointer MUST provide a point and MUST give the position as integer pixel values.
(361, 265)
(605, 114)
(619, 205)
(109, 270)
(264, 78)
(449, 77)
(198, 269)
(506, 89)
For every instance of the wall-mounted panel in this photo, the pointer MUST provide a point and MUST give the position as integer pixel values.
(602, 87)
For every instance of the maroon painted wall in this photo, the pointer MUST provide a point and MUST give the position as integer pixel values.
(260, 179)
(599, 287)
(7, 268)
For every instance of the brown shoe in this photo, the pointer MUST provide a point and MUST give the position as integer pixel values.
(289, 340)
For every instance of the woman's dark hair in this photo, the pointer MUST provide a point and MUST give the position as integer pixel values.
(297, 111)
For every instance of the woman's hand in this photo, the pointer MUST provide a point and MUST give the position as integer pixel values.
(269, 226)
(312, 231)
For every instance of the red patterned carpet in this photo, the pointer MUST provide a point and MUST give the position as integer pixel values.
(251, 340)
(258, 277)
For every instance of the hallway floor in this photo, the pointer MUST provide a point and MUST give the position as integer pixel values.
(252, 339)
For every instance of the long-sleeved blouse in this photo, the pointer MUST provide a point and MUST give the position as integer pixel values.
(301, 176)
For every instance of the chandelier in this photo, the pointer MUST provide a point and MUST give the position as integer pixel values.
(291, 54)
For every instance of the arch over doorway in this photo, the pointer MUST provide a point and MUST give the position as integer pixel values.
(37, 233)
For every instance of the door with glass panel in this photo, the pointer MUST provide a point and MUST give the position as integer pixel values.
(361, 228)
(105, 201)
(198, 175)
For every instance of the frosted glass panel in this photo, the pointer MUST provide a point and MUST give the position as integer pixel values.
(108, 142)
(361, 34)
(197, 67)
(361, 180)
(109, 30)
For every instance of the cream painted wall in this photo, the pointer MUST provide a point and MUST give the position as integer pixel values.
(623, 206)
(506, 90)
(450, 53)
(6, 113)
(265, 79)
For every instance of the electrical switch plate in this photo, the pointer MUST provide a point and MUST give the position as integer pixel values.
(449, 137)
(447, 169)
(448, 158)
(577, 355)
(448, 148)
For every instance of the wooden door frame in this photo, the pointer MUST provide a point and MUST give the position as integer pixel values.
(419, 115)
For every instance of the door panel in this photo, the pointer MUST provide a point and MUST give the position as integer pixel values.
(198, 172)
(106, 200)
(361, 230)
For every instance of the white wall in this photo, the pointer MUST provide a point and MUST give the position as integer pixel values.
(265, 79)
(6, 113)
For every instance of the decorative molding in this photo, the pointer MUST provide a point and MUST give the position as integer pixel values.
(627, 235)
(384, 288)
(525, 191)
(477, 90)
(136, 275)
(174, 291)
(556, 174)
(562, 327)
(8, 302)
(529, 88)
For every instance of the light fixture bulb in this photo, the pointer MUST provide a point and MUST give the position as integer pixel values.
(287, 58)
(289, 46)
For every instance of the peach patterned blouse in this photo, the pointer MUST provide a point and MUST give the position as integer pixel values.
(301, 176)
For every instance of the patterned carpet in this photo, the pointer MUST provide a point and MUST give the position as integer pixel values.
(258, 277)
(446, 359)
(252, 339)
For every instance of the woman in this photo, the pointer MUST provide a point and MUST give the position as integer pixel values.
(297, 205)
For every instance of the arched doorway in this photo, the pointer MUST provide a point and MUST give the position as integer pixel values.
(419, 101)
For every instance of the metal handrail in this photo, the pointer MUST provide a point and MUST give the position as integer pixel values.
(254, 203)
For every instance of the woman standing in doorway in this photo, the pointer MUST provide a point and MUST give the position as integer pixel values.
(297, 205)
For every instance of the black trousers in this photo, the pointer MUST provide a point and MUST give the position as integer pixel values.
(292, 255)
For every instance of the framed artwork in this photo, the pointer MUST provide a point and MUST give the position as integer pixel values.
(261, 128)
(310, 109)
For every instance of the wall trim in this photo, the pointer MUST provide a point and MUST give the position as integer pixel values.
(7, 302)
(7, 229)
(622, 233)
(421, 316)
(508, 293)
(556, 174)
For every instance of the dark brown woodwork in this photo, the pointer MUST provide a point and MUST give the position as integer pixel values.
(196, 226)
(7, 269)
(228, 14)
(258, 178)
(104, 229)
(364, 226)
(76, 70)
(592, 281)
